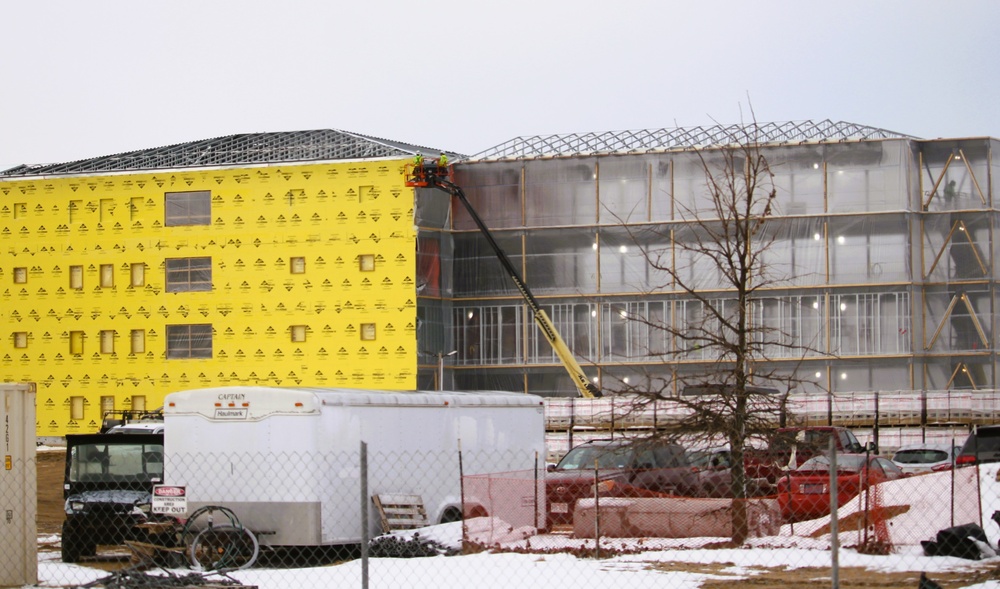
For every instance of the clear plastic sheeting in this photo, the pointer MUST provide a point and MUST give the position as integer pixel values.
(189, 341)
(494, 192)
(867, 323)
(796, 251)
(624, 187)
(878, 264)
(849, 376)
(958, 318)
(870, 323)
(689, 184)
(960, 372)
(799, 179)
(633, 259)
(791, 323)
(433, 209)
(867, 177)
(956, 247)
(477, 272)
(488, 334)
(868, 250)
(560, 192)
(560, 260)
(953, 175)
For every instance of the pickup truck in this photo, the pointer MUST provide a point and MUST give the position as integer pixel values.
(650, 469)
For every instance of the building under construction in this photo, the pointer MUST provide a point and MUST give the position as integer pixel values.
(883, 244)
(303, 258)
(279, 258)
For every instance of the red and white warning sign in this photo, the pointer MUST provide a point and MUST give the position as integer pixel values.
(170, 500)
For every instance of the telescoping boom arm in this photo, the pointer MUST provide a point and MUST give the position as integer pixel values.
(436, 177)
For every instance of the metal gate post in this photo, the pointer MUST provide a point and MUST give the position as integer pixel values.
(364, 515)
(834, 522)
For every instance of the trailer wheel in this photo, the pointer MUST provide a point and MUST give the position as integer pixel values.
(224, 547)
(205, 516)
(450, 515)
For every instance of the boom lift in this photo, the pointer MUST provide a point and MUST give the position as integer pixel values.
(431, 175)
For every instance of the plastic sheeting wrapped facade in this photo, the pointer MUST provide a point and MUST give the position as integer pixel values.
(884, 252)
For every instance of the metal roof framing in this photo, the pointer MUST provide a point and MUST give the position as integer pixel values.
(249, 148)
(682, 138)
(332, 144)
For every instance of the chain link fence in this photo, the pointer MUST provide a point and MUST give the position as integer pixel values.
(454, 520)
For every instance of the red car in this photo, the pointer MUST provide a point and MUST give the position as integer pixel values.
(804, 493)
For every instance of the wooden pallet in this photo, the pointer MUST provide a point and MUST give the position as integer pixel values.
(400, 511)
(145, 555)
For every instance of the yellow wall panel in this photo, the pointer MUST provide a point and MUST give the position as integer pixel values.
(330, 215)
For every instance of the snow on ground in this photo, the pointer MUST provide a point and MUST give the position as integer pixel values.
(927, 508)
(496, 571)
(929, 511)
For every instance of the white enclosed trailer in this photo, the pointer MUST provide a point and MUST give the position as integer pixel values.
(287, 460)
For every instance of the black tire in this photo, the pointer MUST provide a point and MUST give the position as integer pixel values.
(87, 548)
(73, 544)
(451, 515)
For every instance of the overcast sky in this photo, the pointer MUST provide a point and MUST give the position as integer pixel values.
(86, 79)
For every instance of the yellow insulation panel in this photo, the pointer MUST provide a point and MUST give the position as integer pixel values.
(312, 284)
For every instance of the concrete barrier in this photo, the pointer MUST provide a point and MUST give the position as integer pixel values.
(672, 517)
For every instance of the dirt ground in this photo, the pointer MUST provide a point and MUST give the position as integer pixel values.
(50, 467)
(777, 578)
(50, 516)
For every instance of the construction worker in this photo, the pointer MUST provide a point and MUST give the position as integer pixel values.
(418, 167)
(950, 192)
(442, 161)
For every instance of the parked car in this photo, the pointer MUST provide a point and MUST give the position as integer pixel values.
(713, 468)
(982, 445)
(790, 447)
(804, 493)
(924, 458)
(623, 469)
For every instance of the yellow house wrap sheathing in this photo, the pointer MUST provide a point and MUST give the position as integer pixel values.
(346, 228)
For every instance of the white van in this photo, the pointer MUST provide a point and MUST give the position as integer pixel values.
(287, 460)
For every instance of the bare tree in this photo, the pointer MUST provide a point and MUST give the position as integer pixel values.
(718, 262)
